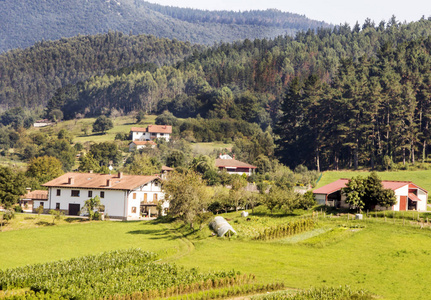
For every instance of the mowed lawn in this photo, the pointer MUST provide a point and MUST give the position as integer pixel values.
(43, 244)
(420, 177)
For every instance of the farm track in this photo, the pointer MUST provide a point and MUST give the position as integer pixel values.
(185, 247)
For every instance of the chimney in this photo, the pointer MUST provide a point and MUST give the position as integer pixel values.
(234, 156)
(108, 182)
(219, 155)
(120, 175)
(70, 180)
(91, 171)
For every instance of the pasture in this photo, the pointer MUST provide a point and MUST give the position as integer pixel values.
(388, 258)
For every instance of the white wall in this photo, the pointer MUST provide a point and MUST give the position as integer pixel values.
(118, 203)
(143, 136)
(114, 200)
(422, 205)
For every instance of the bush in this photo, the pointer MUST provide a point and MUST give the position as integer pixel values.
(17, 208)
(9, 214)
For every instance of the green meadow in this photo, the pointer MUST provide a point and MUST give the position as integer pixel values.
(391, 260)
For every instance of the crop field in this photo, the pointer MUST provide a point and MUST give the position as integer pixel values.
(387, 255)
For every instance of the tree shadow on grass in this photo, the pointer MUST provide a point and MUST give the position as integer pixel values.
(75, 220)
(44, 223)
(156, 234)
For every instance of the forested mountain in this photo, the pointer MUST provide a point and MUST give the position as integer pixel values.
(24, 22)
(355, 96)
(215, 81)
(29, 77)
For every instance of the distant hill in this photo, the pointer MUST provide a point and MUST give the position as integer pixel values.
(24, 22)
(29, 77)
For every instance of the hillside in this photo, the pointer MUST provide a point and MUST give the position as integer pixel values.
(24, 22)
(29, 77)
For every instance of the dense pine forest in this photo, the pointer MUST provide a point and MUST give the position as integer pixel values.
(347, 90)
(24, 22)
(29, 77)
(332, 98)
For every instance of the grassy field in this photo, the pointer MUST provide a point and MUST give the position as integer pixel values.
(390, 260)
(76, 127)
(420, 177)
(48, 243)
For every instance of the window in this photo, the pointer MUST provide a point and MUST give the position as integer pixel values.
(57, 205)
(162, 134)
(102, 194)
(90, 194)
(41, 204)
(58, 192)
(133, 209)
(156, 183)
(155, 197)
(74, 193)
(134, 196)
(153, 134)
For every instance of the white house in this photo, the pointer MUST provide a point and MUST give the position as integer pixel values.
(409, 195)
(31, 197)
(136, 145)
(233, 166)
(123, 196)
(152, 132)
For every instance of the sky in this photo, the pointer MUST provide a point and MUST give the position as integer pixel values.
(330, 11)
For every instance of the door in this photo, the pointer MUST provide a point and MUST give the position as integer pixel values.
(74, 209)
(403, 203)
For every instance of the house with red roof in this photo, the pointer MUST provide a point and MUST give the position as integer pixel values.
(150, 133)
(27, 200)
(409, 195)
(233, 166)
(136, 145)
(124, 197)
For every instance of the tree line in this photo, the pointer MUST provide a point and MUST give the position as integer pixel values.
(375, 112)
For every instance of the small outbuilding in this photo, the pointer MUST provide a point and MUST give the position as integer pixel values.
(409, 195)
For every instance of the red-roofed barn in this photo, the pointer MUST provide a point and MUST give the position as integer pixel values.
(409, 195)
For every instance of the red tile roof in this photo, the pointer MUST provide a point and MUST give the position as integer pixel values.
(159, 128)
(153, 128)
(36, 195)
(232, 163)
(138, 129)
(144, 143)
(341, 183)
(166, 168)
(100, 181)
(332, 187)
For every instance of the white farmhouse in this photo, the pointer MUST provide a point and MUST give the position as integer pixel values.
(152, 132)
(123, 196)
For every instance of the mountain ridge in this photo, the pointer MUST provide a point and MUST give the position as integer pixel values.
(23, 22)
